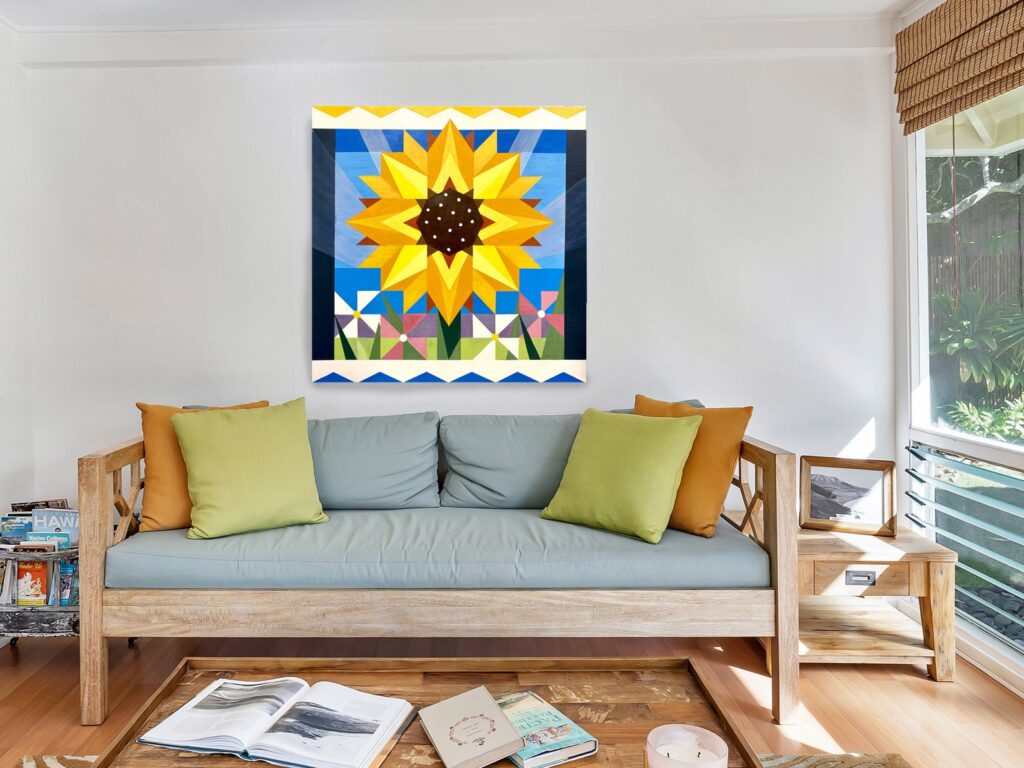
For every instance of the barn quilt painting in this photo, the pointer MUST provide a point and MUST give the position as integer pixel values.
(449, 244)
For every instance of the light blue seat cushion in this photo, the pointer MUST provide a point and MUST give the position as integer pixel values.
(437, 548)
(376, 462)
(512, 462)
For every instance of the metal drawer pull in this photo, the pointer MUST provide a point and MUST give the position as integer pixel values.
(861, 578)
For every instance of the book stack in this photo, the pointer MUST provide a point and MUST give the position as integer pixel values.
(286, 721)
(474, 729)
(41, 527)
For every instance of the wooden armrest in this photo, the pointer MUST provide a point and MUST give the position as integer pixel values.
(761, 453)
(101, 491)
(116, 456)
(776, 493)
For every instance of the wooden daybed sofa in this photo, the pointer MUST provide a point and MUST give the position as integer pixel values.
(110, 482)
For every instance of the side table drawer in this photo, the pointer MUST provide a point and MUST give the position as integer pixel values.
(891, 579)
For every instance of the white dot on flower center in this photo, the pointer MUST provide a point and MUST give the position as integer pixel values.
(403, 337)
(460, 223)
(462, 239)
(458, 199)
(541, 313)
(449, 229)
(440, 205)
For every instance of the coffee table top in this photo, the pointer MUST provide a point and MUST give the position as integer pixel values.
(617, 700)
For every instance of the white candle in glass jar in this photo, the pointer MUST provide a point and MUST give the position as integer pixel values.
(678, 746)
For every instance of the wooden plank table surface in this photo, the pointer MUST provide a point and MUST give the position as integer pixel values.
(617, 700)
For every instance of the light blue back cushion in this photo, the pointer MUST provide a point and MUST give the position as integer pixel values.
(376, 462)
(507, 462)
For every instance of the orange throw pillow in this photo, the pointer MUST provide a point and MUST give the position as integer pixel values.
(165, 501)
(709, 470)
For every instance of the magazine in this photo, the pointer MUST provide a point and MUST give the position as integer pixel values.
(62, 521)
(551, 737)
(287, 722)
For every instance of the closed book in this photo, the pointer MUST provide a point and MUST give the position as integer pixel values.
(14, 528)
(68, 577)
(32, 582)
(470, 730)
(551, 738)
(63, 540)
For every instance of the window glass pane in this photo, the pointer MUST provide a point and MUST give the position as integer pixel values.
(974, 171)
(977, 510)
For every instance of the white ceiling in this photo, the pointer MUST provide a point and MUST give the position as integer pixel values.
(149, 14)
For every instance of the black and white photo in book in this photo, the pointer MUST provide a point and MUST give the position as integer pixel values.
(287, 722)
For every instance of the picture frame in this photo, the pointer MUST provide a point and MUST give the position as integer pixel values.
(848, 499)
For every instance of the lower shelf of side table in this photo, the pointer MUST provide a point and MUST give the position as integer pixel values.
(858, 630)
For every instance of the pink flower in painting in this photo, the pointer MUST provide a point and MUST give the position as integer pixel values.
(413, 331)
(539, 319)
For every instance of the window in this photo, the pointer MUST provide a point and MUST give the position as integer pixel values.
(973, 179)
(966, 467)
(977, 510)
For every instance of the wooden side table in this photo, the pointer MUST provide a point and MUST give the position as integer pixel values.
(839, 573)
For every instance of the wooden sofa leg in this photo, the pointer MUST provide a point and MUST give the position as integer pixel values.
(92, 652)
(95, 505)
(785, 671)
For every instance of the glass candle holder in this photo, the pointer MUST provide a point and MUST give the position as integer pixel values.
(682, 746)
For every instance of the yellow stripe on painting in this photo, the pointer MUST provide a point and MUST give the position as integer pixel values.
(381, 111)
(427, 111)
(334, 111)
(565, 112)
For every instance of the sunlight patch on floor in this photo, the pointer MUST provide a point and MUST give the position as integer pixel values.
(807, 730)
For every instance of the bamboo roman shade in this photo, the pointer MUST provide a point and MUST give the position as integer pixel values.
(962, 53)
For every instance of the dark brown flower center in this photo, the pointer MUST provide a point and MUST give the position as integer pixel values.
(449, 222)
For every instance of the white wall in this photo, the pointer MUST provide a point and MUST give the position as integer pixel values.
(739, 219)
(16, 305)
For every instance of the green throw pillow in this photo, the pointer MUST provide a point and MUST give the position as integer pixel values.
(248, 470)
(623, 473)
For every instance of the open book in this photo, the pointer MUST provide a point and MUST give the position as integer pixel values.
(288, 722)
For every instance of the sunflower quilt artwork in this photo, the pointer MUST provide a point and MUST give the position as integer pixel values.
(449, 244)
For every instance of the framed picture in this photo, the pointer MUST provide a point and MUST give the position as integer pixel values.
(848, 495)
(449, 244)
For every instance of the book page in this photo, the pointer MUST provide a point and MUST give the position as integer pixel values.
(332, 724)
(232, 709)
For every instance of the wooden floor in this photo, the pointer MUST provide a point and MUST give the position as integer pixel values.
(968, 724)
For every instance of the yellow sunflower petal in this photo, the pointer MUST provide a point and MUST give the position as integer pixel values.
(514, 222)
(450, 161)
(489, 183)
(417, 155)
(518, 187)
(487, 261)
(516, 258)
(410, 182)
(410, 262)
(485, 290)
(450, 287)
(384, 222)
(485, 153)
(382, 256)
(381, 186)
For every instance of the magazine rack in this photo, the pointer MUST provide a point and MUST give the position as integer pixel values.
(38, 620)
